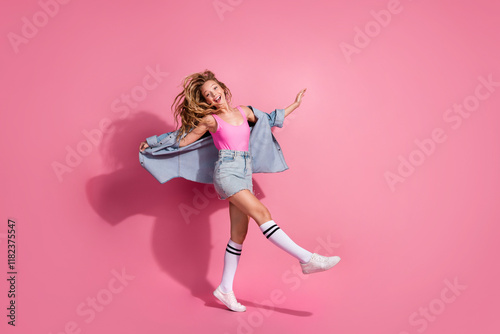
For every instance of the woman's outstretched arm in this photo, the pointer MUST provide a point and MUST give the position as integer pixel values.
(207, 123)
(194, 134)
(296, 104)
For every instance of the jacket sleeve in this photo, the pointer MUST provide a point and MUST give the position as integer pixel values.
(154, 141)
(166, 139)
(275, 118)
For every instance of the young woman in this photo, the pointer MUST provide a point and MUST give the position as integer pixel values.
(205, 105)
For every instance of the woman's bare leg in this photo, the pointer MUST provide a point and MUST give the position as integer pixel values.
(239, 228)
(250, 205)
(244, 204)
(239, 224)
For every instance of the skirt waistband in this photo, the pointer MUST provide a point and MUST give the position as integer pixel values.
(232, 153)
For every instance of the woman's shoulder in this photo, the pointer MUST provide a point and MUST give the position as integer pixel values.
(249, 113)
(208, 119)
(246, 109)
(209, 122)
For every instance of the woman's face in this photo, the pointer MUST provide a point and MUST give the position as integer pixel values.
(213, 92)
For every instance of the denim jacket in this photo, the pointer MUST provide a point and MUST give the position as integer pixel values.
(165, 160)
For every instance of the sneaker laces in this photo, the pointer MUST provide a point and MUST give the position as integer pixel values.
(321, 258)
(232, 299)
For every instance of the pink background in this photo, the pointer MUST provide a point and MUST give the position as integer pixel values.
(401, 245)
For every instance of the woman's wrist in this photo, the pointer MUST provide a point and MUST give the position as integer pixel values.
(291, 108)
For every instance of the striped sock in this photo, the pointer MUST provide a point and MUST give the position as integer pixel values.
(283, 241)
(231, 259)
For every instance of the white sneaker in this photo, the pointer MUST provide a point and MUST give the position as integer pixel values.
(319, 263)
(229, 300)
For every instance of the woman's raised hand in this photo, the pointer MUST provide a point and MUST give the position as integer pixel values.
(298, 99)
(144, 145)
(296, 103)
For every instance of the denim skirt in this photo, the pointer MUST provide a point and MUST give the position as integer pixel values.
(232, 173)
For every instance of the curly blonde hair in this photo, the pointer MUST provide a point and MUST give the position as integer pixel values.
(190, 105)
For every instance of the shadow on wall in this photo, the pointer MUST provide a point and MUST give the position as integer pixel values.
(181, 237)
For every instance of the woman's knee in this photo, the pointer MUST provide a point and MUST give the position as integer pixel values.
(262, 215)
(248, 203)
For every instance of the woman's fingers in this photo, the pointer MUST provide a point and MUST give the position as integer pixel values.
(300, 94)
(144, 145)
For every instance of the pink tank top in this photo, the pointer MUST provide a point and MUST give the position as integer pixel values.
(232, 137)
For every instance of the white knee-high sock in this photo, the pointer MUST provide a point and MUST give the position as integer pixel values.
(283, 241)
(231, 259)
